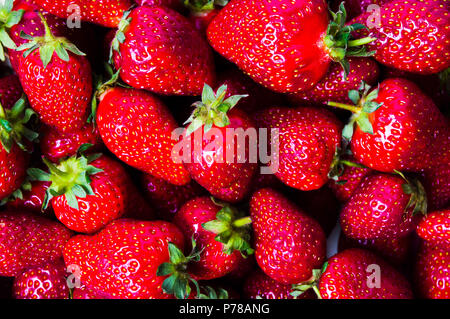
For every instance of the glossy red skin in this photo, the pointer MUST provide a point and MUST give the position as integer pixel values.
(394, 250)
(104, 12)
(110, 201)
(27, 5)
(121, 260)
(346, 278)
(289, 244)
(214, 262)
(411, 39)
(32, 200)
(125, 113)
(278, 43)
(353, 177)
(228, 181)
(435, 228)
(404, 127)
(356, 7)
(13, 166)
(85, 292)
(164, 53)
(432, 275)
(56, 145)
(377, 209)
(335, 87)
(29, 240)
(42, 282)
(168, 198)
(308, 137)
(10, 90)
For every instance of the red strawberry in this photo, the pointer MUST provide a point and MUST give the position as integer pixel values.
(383, 206)
(121, 260)
(137, 127)
(308, 140)
(42, 282)
(219, 233)
(168, 198)
(158, 49)
(30, 198)
(227, 178)
(286, 46)
(289, 243)
(86, 193)
(350, 275)
(435, 228)
(432, 275)
(396, 124)
(334, 85)
(357, 7)
(57, 82)
(29, 240)
(56, 145)
(104, 12)
(10, 91)
(412, 35)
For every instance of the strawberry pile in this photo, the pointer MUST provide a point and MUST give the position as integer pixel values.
(98, 98)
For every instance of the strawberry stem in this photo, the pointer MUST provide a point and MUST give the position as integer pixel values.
(348, 107)
(358, 42)
(49, 37)
(317, 292)
(242, 221)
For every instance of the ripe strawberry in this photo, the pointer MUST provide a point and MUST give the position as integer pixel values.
(335, 85)
(158, 49)
(56, 145)
(225, 177)
(286, 46)
(396, 124)
(357, 7)
(121, 260)
(289, 243)
(308, 140)
(168, 198)
(9, 16)
(86, 193)
(137, 127)
(347, 275)
(10, 91)
(57, 82)
(42, 282)
(220, 234)
(435, 228)
(30, 197)
(412, 35)
(104, 12)
(29, 240)
(383, 206)
(432, 275)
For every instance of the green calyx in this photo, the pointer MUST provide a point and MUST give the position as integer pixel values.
(312, 283)
(201, 6)
(340, 42)
(8, 19)
(178, 282)
(211, 293)
(338, 165)
(71, 177)
(418, 195)
(212, 110)
(13, 127)
(47, 45)
(232, 229)
(365, 104)
(119, 38)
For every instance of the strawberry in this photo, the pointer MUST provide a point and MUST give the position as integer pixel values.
(42, 282)
(9, 16)
(432, 276)
(157, 49)
(347, 275)
(220, 234)
(412, 35)
(86, 193)
(124, 113)
(29, 240)
(104, 12)
(383, 206)
(57, 82)
(335, 85)
(225, 177)
(435, 228)
(56, 145)
(30, 197)
(121, 260)
(395, 124)
(286, 46)
(308, 140)
(289, 243)
(168, 198)
(10, 91)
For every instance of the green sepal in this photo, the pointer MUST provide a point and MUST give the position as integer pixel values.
(211, 293)
(201, 6)
(8, 19)
(418, 196)
(311, 283)
(120, 38)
